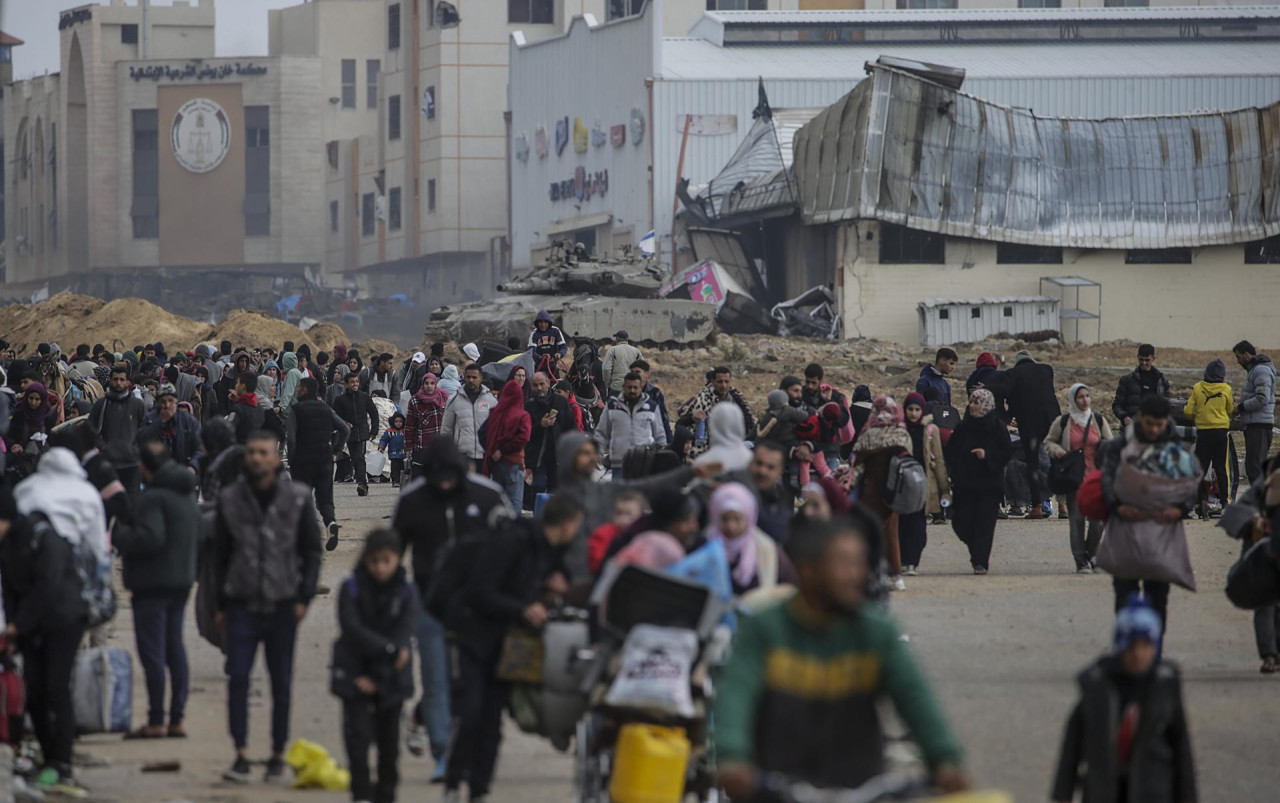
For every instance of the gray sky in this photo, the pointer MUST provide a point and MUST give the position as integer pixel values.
(242, 29)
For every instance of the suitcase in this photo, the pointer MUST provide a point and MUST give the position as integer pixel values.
(102, 691)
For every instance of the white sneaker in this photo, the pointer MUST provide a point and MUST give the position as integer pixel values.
(897, 584)
(415, 738)
(909, 571)
(452, 796)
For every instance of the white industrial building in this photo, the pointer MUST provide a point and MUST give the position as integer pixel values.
(599, 115)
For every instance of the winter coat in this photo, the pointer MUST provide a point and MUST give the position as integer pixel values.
(266, 556)
(463, 418)
(1133, 388)
(248, 417)
(315, 432)
(61, 491)
(159, 548)
(660, 399)
(388, 383)
(392, 441)
(549, 344)
(1161, 767)
(1210, 405)
(377, 621)
(540, 452)
(875, 449)
(622, 428)
(935, 468)
(360, 413)
(1028, 389)
(704, 400)
(186, 446)
(117, 418)
(432, 522)
(931, 377)
(42, 589)
(1258, 396)
(968, 472)
(617, 364)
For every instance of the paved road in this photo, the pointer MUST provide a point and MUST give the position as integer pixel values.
(1003, 650)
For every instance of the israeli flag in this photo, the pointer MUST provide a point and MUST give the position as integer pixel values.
(648, 243)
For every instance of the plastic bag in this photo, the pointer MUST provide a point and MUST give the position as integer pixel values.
(375, 462)
(1148, 491)
(314, 768)
(1146, 550)
(656, 666)
(102, 691)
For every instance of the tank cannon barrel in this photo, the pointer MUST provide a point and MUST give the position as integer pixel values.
(538, 284)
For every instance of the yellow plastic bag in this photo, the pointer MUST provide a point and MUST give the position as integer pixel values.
(314, 768)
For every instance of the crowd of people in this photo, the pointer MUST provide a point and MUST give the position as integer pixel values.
(523, 475)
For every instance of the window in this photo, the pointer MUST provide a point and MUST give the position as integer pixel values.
(1016, 254)
(431, 13)
(1125, 3)
(1260, 252)
(393, 26)
(1158, 256)
(371, 69)
(146, 175)
(366, 215)
(429, 102)
(393, 117)
(431, 195)
(944, 314)
(257, 171)
(393, 211)
(1008, 312)
(333, 216)
(129, 34)
(975, 312)
(1039, 3)
(736, 5)
(900, 245)
(926, 4)
(542, 12)
(348, 83)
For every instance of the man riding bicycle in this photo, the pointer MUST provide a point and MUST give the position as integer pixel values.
(798, 696)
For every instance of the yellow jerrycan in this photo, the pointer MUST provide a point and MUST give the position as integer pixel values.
(649, 764)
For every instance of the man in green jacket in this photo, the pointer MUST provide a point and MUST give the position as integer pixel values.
(159, 554)
(798, 696)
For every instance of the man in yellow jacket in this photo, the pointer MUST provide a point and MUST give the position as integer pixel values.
(1210, 408)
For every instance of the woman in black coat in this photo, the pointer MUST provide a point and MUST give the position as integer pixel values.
(976, 456)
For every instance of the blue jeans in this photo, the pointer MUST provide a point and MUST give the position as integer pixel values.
(433, 661)
(277, 633)
(157, 628)
(511, 478)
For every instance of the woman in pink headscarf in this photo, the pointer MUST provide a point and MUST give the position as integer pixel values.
(423, 421)
(755, 562)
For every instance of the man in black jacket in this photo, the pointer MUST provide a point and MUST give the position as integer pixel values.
(357, 408)
(177, 429)
(316, 434)
(117, 417)
(509, 585)
(551, 417)
(159, 555)
(266, 561)
(1146, 380)
(247, 416)
(438, 512)
(1028, 390)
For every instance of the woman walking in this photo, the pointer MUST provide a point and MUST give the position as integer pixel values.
(978, 451)
(1080, 430)
(926, 448)
(884, 438)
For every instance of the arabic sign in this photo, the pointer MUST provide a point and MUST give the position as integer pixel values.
(583, 186)
(196, 71)
(201, 135)
(76, 17)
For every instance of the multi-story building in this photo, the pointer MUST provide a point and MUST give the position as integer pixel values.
(7, 44)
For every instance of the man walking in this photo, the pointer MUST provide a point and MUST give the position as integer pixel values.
(177, 429)
(266, 561)
(117, 417)
(467, 412)
(1257, 406)
(158, 551)
(629, 421)
(1146, 380)
(357, 408)
(549, 418)
(935, 376)
(316, 434)
(720, 389)
(1028, 388)
(614, 365)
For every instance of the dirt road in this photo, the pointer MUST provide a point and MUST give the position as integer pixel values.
(1003, 650)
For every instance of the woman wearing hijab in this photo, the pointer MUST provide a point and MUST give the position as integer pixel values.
(450, 381)
(884, 438)
(1080, 429)
(755, 562)
(33, 415)
(423, 422)
(859, 410)
(727, 436)
(508, 431)
(926, 448)
(978, 451)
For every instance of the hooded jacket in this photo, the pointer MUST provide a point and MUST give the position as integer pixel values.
(550, 343)
(464, 416)
(623, 427)
(117, 417)
(60, 489)
(450, 382)
(431, 521)
(1258, 396)
(293, 375)
(1210, 405)
(1136, 386)
(159, 548)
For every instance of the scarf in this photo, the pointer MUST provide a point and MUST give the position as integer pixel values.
(986, 402)
(741, 551)
(35, 418)
(1080, 417)
(439, 397)
(249, 398)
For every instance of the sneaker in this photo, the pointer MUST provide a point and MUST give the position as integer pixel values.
(415, 739)
(437, 774)
(332, 543)
(1002, 514)
(1017, 510)
(68, 787)
(322, 589)
(1084, 568)
(362, 490)
(1036, 514)
(240, 772)
(979, 570)
(275, 771)
(909, 571)
(452, 796)
(897, 584)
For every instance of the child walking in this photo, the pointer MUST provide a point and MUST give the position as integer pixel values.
(372, 673)
(392, 443)
(1129, 730)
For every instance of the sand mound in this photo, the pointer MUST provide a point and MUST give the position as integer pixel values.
(59, 320)
(259, 330)
(128, 322)
(327, 335)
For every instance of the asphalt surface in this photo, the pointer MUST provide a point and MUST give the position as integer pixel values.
(1003, 650)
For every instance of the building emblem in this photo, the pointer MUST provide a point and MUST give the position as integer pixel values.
(522, 147)
(637, 126)
(562, 135)
(598, 136)
(618, 135)
(201, 135)
(540, 141)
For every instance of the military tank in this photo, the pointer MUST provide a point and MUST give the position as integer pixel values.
(588, 297)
